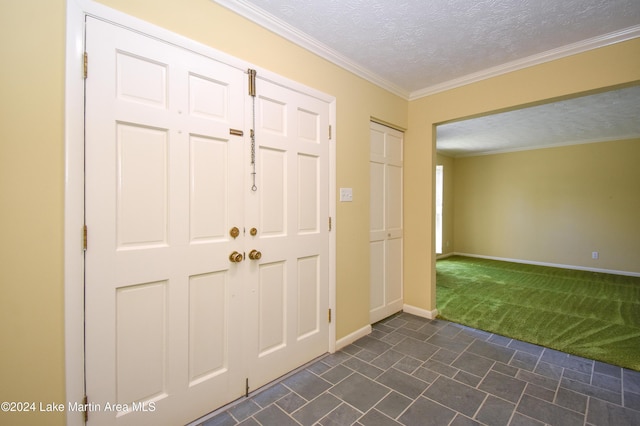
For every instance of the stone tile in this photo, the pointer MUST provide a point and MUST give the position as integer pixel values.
(505, 369)
(577, 376)
(383, 327)
(632, 400)
(316, 409)
(222, 419)
(344, 414)
(446, 343)
(473, 364)
(426, 375)
(467, 378)
(372, 345)
(359, 391)
(608, 369)
(524, 360)
(393, 404)
(491, 351)
(540, 392)
(318, 368)
(291, 402)
(526, 347)
(461, 420)
(445, 356)
(249, 422)
(499, 340)
(376, 418)
(603, 413)
(336, 358)
(413, 334)
(337, 374)
(273, 415)
(306, 384)
(503, 386)
(631, 381)
(567, 361)
(425, 412)
(408, 364)
(270, 395)
(450, 330)
(403, 383)
(244, 409)
(590, 390)
(393, 338)
(455, 395)
(441, 368)
(387, 359)
(603, 381)
(416, 349)
(537, 379)
(495, 411)
(549, 370)
(522, 420)
(571, 400)
(548, 413)
(363, 368)
(366, 356)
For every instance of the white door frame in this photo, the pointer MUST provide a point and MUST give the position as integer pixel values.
(74, 176)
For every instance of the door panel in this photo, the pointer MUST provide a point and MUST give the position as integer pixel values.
(385, 216)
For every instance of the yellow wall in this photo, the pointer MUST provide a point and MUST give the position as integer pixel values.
(553, 205)
(32, 40)
(597, 69)
(32, 37)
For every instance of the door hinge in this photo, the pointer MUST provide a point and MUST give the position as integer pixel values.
(246, 388)
(85, 405)
(329, 315)
(330, 226)
(252, 82)
(85, 66)
(84, 238)
(329, 131)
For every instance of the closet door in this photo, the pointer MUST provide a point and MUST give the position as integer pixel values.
(385, 233)
(164, 303)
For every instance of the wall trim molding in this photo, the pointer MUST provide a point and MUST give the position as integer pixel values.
(414, 310)
(286, 31)
(352, 337)
(553, 265)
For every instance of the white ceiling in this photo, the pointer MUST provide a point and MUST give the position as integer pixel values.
(418, 47)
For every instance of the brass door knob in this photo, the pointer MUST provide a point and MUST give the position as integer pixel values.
(255, 255)
(236, 257)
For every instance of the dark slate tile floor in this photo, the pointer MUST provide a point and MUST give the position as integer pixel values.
(414, 371)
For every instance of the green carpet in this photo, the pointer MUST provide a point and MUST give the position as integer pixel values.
(589, 314)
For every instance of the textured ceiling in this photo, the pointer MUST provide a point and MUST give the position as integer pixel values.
(417, 47)
(612, 115)
(420, 45)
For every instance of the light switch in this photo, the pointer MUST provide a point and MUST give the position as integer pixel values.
(346, 194)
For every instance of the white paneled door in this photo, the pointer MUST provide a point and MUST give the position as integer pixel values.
(175, 326)
(385, 218)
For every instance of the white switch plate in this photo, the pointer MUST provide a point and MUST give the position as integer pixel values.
(346, 194)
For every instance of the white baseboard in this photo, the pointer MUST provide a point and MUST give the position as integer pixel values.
(420, 312)
(553, 265)
(350, 338)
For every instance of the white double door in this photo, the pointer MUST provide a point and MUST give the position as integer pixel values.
(175, 327)
(385, 219)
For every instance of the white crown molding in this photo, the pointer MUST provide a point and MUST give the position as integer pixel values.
(279, 27)
(540, 58)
